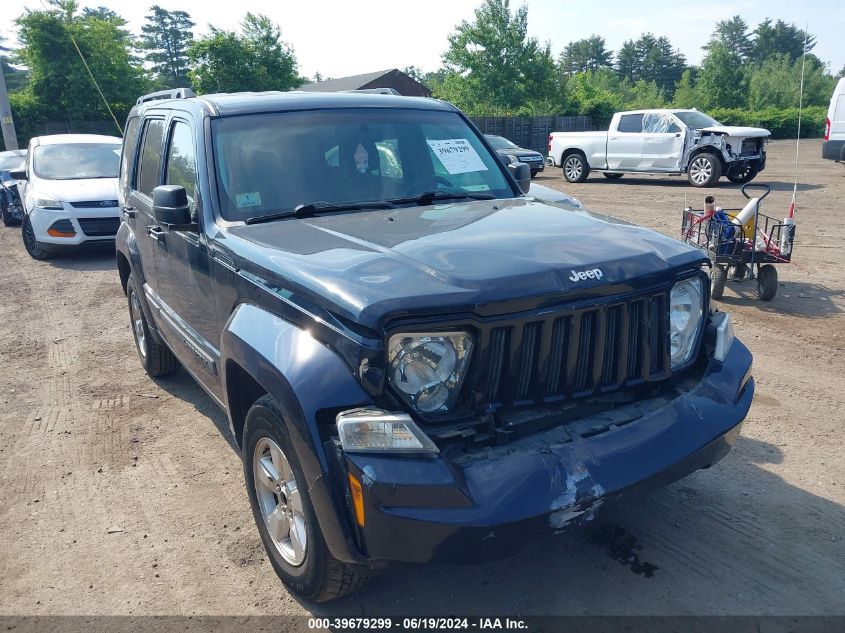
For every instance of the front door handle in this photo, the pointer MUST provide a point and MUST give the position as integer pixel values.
(156, 232)
(129, 212)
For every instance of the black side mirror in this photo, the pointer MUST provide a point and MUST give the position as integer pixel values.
(522, 173)
(170, 205)
(18, 174)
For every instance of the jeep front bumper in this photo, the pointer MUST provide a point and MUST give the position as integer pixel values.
(487, 503)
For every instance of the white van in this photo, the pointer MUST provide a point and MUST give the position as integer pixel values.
(833, 146)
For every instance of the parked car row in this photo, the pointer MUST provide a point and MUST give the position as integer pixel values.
(422, 356)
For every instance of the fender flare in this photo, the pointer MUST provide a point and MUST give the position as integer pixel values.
(304, 376)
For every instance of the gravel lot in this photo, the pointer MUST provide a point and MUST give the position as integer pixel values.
(121, 495)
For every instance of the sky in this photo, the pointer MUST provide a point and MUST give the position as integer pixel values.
(341, 38)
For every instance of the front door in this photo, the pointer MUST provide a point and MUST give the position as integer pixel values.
(185, 285)
(663, 143)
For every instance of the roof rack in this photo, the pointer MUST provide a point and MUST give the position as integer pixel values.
(176, 93)
(376, 91)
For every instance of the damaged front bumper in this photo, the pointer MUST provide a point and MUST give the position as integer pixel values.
(489, 502)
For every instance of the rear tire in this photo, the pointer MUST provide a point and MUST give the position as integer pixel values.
(767, 282)
(156, 358)
(8, 220)
(611, 176)
(308, 570)
(35, 248)
(575, 168)
(704, 170)
(718, 277)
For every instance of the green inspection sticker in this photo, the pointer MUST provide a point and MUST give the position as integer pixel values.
(250, 199)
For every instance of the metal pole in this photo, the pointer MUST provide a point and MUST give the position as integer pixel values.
(8, 125)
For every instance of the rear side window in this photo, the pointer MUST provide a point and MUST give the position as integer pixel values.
(632, 123)
(127, 158)
(182, 160)
(150, 156)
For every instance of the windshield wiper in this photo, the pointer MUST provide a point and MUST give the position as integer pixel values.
(428, 197)
(307, 210)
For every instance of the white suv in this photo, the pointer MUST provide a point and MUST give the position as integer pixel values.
(70, 193)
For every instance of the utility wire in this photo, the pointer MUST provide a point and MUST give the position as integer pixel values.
(91, 75)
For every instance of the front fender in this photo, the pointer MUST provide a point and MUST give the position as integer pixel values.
(304, 376)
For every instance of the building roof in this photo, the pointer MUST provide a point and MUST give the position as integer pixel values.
(345, 83)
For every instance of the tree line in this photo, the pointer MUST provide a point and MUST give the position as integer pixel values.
(491, 67)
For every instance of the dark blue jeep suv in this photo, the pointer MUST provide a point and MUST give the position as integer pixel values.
(419, 360)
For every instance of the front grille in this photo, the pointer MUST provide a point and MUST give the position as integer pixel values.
(99, 227)
(574, 353)
(94, 204)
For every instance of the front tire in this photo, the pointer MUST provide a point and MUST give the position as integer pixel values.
(35, 248)
(575, 168)
(283, 510)
(704, 170)
(156, 358)
(743, 174)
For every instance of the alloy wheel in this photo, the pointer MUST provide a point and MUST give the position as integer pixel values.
(700, 170)
(573, 168)
(137, 317)
(279, 501)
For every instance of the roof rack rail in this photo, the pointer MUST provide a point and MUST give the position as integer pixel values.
(376, 91)
(176, 93)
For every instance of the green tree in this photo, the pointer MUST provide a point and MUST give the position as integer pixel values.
(59, 83)
(588, 54)
(164, 41)
(650, 59)
(500, 67)
(733, 34)
(255, 59)
(686, 93)
(721, 81)
(778, 39)
(776, 83)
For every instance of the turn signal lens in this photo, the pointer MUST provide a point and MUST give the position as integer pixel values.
(357, 499)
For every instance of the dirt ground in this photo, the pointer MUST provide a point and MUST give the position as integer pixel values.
(122, 495)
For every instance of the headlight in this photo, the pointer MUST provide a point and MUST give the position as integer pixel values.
(686, 314)
(427, 369)
(43, 202)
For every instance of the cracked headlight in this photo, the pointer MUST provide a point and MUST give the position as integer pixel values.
(427, 369)
(686, 314)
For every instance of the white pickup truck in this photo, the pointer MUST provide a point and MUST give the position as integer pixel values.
(662, 142)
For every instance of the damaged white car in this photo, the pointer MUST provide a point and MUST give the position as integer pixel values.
(670, 142)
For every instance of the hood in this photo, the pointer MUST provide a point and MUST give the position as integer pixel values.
(77, 190)
(485, 257)
(737, 131)
(518, 152)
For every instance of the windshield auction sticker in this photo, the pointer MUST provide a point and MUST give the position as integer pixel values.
(457, 155)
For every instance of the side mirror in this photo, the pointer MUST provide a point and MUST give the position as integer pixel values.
(18, 174)
(522, 173)
(170, 205)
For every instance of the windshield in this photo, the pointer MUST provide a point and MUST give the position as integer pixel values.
(13, 161)
(73, 161)
(500, 142)
(696, 120)
(272, 163)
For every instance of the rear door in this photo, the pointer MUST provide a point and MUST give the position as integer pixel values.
(624, 145)
(663, 143)
(139, 202)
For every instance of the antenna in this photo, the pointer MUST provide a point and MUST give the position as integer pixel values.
(800, 108)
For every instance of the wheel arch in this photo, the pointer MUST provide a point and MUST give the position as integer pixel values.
(572, 150)
(261, 353)
(707, 149)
